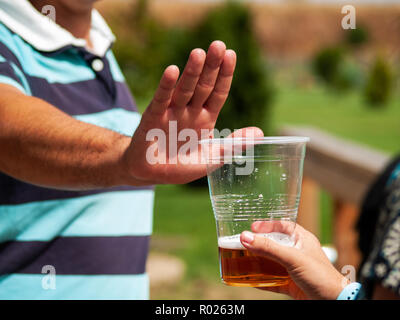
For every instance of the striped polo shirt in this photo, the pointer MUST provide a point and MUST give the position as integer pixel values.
(59, 244)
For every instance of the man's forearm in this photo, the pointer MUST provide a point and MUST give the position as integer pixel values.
(41, 145)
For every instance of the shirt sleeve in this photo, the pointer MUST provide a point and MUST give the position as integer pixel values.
(383, 263)
(12, 75)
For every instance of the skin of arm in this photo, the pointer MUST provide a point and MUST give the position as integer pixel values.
(43, 146)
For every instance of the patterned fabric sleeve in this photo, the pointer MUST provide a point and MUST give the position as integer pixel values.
(10, 74)
(11, 71)
(383, 263)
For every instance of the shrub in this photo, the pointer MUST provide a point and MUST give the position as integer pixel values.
(336, 70)
(357, 37)
(326, 64)
(380, 83)
(251, 92)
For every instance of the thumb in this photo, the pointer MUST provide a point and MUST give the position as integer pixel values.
(263, 246)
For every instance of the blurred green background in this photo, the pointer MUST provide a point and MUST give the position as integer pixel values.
(296, 65)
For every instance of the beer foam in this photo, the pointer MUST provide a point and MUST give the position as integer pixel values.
(233, 242)
(230, 242)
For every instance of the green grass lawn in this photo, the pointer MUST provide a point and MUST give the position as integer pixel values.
(184, 214)
(344, 115)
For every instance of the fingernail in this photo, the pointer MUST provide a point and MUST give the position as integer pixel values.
(247, 237)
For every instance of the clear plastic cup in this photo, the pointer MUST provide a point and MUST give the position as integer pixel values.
(254, 185)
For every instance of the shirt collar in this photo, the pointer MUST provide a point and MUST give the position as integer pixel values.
(45, 35)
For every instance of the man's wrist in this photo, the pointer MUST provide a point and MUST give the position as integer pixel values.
(123, 173)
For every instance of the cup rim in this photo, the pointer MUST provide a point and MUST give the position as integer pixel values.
(258, 140)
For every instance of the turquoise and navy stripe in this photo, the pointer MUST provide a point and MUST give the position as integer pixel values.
(96, 240)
